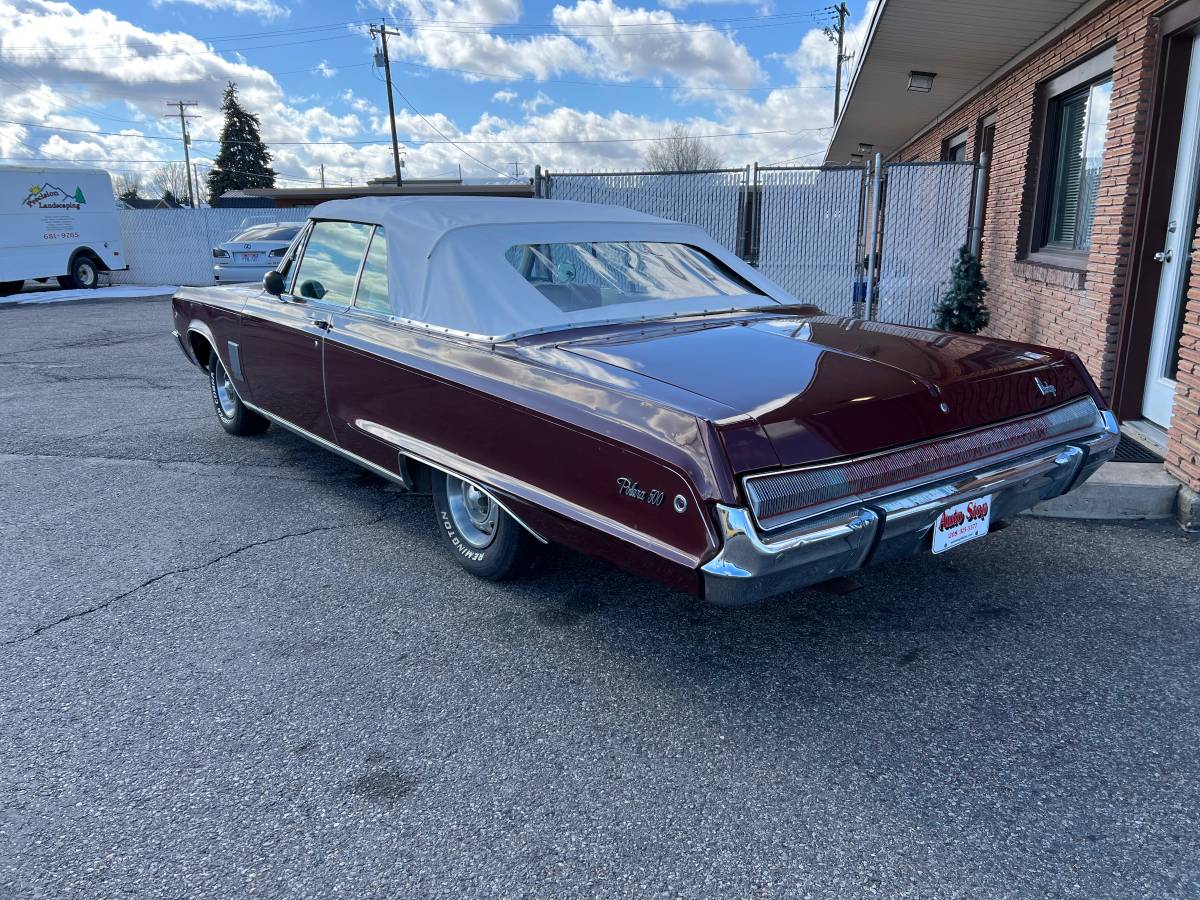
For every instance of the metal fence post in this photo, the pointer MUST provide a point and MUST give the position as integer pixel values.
(977, 209)
(537, 180)
(872, 240)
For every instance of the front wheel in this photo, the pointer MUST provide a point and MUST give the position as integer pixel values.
(234, 415)
(486, 540)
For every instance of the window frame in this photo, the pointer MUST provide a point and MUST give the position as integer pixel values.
(952, 143)
(1052, 93)
(362, 267)
(299, 262)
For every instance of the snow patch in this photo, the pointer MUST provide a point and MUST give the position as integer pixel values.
(116, 292)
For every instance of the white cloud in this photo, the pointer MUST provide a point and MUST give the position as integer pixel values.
(533, 104)
(52, 43)
(325, 70)
(595, 37)
(267, 9)
(642, 43)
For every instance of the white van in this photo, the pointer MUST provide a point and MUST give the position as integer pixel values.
(57, 223)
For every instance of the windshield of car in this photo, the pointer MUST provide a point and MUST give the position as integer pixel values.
(269, 232)
(593, 274)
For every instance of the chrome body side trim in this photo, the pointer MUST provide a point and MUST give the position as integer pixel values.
(432, 455)
(751, 566)
(328, 445)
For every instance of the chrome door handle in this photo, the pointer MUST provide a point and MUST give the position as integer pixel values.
(1162, 256)
(323, 324)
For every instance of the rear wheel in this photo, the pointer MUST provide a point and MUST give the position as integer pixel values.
(486, 541)
(84, 274)
(235, 416)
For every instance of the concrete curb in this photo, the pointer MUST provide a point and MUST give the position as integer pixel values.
(1119, 490)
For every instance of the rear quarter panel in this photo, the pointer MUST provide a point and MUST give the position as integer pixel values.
(556, 446)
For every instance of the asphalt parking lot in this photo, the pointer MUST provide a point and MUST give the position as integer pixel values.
(234, 667)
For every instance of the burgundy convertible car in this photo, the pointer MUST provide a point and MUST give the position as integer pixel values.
(623, 385)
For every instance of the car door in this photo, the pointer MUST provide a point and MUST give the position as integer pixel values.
(358, 382)
(283, 337)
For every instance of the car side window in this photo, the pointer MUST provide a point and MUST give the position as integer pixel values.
(373, 286)
(331, 261)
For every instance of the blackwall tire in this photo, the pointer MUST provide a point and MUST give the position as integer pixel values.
(234, 415)
(84, 274)
(485, 540)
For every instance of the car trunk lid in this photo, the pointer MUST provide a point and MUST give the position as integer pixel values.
(823, 387)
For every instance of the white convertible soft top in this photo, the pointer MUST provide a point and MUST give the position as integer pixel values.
(447, 269)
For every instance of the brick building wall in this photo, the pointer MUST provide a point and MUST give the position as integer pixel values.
(1183, 441)
(1045, 304)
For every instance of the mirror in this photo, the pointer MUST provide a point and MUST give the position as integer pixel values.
(273, 283)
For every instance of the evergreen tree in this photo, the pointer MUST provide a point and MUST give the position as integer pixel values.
(243, 160)
(964, 307)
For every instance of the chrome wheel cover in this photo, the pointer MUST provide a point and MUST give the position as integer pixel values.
(226, 395)
(86, 276)
(475, 514)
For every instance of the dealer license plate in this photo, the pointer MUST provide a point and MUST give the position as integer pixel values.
(962, 522)
(247, 257)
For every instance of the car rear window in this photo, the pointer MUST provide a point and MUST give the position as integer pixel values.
(589, 275)
(271, 232)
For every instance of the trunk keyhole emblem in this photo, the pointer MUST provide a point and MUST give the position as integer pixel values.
(944, 407)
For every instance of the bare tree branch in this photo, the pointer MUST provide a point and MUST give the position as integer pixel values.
(682, 152)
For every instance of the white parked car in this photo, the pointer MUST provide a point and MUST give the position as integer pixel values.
(57, 223)
(254, 251)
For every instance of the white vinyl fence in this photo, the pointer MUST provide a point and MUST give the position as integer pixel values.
(174, 246)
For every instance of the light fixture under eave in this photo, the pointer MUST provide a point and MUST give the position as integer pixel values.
(922, 82)
(865, 148)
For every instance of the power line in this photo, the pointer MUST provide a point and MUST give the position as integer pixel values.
(419, 24)
(422, 140)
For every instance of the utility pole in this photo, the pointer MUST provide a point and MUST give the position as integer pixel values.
(838, 33)
(382, 31)
(516, 169)
(181, 105)
(322, 174)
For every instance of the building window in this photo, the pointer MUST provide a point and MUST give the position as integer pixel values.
(954, 149)
(1076, 123)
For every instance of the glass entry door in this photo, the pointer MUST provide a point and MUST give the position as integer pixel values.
(1159, 397)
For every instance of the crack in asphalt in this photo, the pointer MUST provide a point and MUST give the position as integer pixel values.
(382, 516)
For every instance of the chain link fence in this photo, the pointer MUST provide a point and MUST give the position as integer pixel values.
(174, 246)
(710, 200)
(925, 219)
(808, 233)
(810, 229)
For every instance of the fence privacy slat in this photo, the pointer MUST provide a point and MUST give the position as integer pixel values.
(925, 219)
(708, 200)
(174, 246)
(809, 233)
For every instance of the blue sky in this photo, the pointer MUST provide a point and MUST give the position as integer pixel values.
(483, 81)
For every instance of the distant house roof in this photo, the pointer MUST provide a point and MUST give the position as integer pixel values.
(150, 203)
(310, 196)
(966, 43)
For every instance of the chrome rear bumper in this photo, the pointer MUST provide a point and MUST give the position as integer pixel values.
(751, 566)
